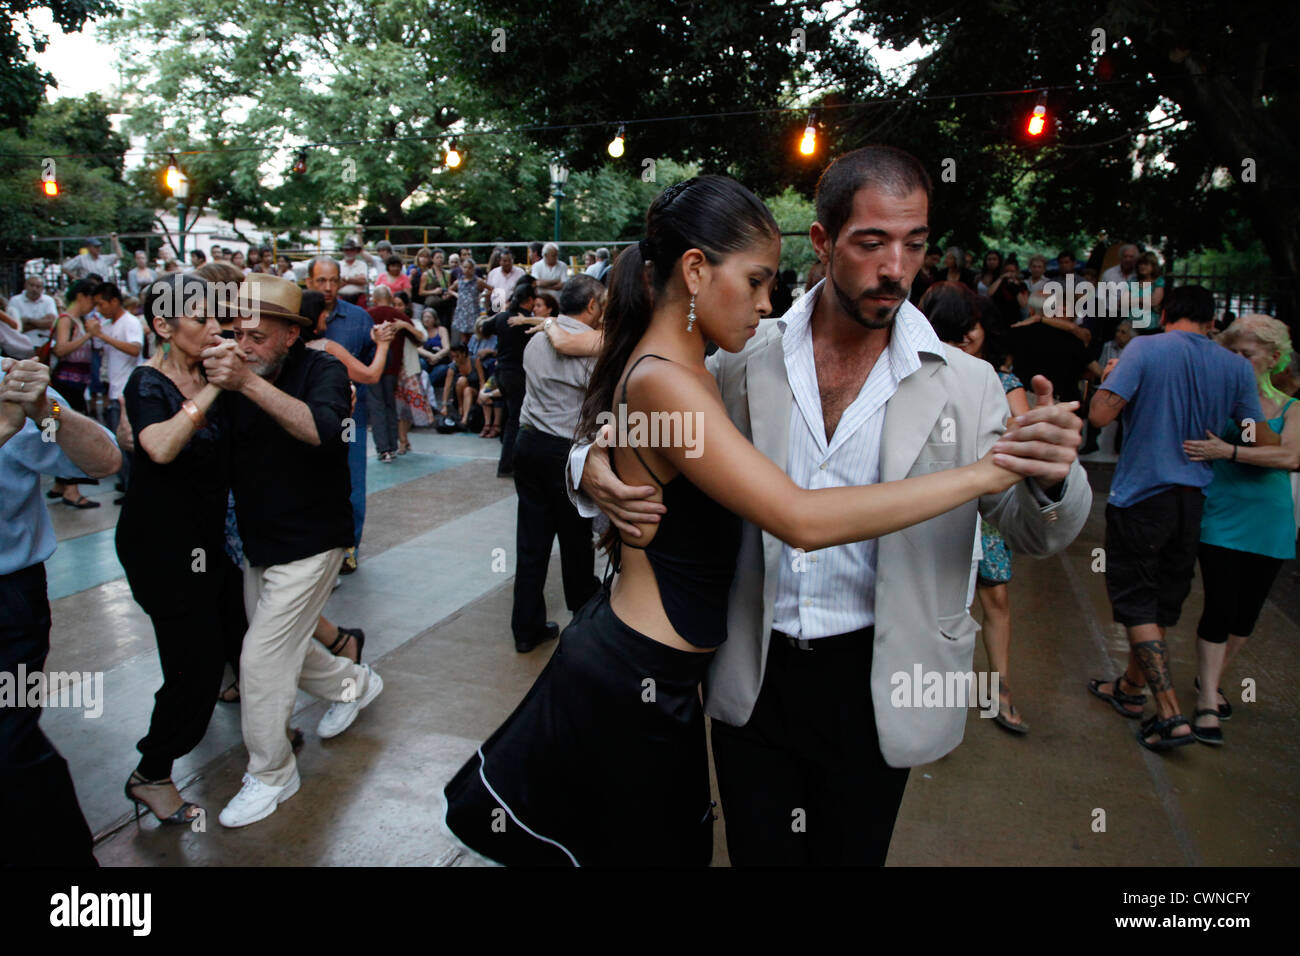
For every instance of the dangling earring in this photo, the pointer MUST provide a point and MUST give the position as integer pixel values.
(167, 348)
(690, 317)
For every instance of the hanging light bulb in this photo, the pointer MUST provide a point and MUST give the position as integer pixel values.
(300, 164)
(51, 187)
(453, 157)
(616, 144)
(173, 176)
(1038, 119)
(808, 145)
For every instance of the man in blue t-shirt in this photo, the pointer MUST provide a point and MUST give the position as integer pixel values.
(350, 326)
(1170, 387)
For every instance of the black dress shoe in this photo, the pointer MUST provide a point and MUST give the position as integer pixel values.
(552, 632)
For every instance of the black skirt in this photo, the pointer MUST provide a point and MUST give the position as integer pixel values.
(602, 763)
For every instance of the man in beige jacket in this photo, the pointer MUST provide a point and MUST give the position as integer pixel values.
(817, 694)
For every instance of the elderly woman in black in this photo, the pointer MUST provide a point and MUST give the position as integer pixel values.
(170, 538)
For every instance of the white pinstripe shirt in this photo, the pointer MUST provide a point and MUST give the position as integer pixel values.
(836, 591)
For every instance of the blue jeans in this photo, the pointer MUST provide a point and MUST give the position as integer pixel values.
(357, 465)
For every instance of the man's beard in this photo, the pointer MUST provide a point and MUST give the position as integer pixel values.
(881, 317)
(269, 369)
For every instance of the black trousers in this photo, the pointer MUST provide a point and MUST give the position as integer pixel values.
(1236, 585)
(511, 382)
(545, 512)
(41, 823)
(194, 641)
(804, 782)
(384, 414)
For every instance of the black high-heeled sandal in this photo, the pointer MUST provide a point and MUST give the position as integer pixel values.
(181, 817)
(342, 641)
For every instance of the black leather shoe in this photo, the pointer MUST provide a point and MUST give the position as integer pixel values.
(552, 632)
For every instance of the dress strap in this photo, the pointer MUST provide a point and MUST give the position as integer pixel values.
(633, 447)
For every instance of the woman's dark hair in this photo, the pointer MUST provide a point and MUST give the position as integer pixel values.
(950, 307)
(82, 287)
(997, 332)
(997, 269)
(953, 310)
(714, 214)
(551, 301)
(311, 306)
(393, 261)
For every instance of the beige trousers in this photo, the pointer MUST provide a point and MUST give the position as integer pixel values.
(284, 602)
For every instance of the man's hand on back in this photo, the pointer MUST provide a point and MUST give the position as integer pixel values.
(624, 505)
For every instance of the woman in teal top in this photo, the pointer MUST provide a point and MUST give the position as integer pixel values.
(1248, 525)
(1146, 272)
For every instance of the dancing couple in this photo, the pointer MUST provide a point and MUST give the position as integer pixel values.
(816, 542)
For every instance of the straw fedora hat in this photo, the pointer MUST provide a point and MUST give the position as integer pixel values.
(267, 295)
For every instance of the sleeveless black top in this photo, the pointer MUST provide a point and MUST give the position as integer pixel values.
(693, 554)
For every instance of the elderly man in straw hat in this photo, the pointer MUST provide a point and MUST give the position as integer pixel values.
(288, 409)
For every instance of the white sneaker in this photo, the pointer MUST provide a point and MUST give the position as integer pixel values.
(256, 801)
(340, 716)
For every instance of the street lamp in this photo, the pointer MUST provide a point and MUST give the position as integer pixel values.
(559, 176)
(179, 184)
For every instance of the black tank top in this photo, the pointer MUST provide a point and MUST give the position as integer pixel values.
(693, 554)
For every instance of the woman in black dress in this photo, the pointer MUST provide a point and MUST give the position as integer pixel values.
(604, 761)
(171, 536)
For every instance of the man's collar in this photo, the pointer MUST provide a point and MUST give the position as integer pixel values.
(917, 333)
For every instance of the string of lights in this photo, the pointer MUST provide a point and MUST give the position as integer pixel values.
(1037, 124)
(622, 125)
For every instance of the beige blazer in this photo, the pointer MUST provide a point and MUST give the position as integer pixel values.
(922, 572)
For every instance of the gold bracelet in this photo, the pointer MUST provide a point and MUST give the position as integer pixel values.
(197, 417)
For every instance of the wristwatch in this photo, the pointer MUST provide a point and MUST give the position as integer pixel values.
(548, 323)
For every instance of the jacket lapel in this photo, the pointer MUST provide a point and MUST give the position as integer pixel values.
(909, 418)
(770, 404)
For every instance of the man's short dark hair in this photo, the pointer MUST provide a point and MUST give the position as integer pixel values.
(108, 291)
(460, 348)
(577, 292)
(893, 170)
(393, 261)
(202, 256)
(536, 247)
(1192, 302)
(1066, 254)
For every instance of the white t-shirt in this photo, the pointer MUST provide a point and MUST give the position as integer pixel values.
(126, 328)
(354, 276)
(544, 273)
(502, 285)
(24, 309)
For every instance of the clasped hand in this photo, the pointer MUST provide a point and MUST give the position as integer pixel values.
(225, 366)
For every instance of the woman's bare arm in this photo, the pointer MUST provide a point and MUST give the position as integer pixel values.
(163, 441)
(729, 469)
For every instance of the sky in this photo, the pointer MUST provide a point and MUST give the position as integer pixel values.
(79, 61)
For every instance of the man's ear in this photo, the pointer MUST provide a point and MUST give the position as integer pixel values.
(292, 336)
